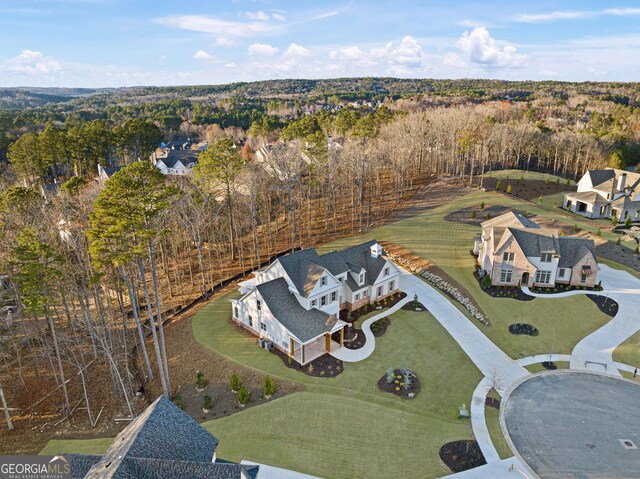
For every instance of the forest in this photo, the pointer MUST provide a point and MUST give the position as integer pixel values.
(89, 275)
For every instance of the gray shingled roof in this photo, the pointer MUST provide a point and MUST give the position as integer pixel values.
(510, 218)
(296, 265)
(600, 176)
(81, 463)
(573, 249)
(303, 324)
(184, 156)
(535, 242)
(162, 432)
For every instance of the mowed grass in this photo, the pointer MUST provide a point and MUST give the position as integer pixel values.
(629, 351)
(561, 322)
(343, 427)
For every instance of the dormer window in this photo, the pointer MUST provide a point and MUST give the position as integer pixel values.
(546, 257)
(323, 281)
(361, 278)
(507, 256)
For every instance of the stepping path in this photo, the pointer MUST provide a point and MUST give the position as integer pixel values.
(595, 350)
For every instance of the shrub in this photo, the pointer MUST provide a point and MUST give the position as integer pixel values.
(557, 181)
(482, 205)
(178, 401)
(547, 180)
(614, 220)
(575, 227)
(201, 382)
(637, 250)
(488, 216)
(415, 300)
(499, 185)
(568, 182)
(391, 375)
(508, 189)
(618, 240)
(539, 200)
(243, 395)
(235, 382)
(598, 232)
(268, 388)
(473, 214)
(207, 403)
(627, 222)
(486, 282)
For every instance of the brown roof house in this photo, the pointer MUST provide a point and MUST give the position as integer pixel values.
(513, 250)
(605, 194)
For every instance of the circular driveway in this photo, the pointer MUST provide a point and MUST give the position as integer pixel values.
(575, 425)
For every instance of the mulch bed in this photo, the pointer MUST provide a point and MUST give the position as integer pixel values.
(225, 401)
(523, 328)
(379, 327)
(410, 306)
(620, 254)
(354, 338)
(563, 288)
(326, 366)
(396, 388)
(550, 365)
(527, 189)
(474, 215)
(492, 402)
(462, 455)
(352, 316)
(606, 305)
(512, 292)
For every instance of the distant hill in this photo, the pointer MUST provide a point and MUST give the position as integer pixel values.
(27, 97)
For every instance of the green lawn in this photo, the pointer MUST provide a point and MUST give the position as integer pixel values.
(344, 427)
(629, 351)
(527, 175)
(561, 322)
(492, 417)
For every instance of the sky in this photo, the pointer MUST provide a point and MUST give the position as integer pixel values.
(112, 43)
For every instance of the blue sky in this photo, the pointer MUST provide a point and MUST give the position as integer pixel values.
(102, 43)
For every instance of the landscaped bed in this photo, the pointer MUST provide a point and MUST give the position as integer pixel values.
(523, 328)
(354, 338)
(563, 288)
(607, 305)
(388, 302)
(401, 382)
(475, 215)
(524, 188)
(462, 455)
(512, 292)
(326, 366)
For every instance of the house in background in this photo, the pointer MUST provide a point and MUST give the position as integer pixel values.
(163, 441)
(177, 162)
(104, 173)
(295, 302)
(513, 251)
(605, 194)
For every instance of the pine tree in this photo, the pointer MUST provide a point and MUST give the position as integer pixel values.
(268, 388)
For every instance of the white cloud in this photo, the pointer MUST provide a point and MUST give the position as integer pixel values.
(351, 53)
(278, 16)
(622, 11)
(453, 60)
(407, 53)
(551, 16)
(201, 55)
(224, 42)
(479, 47)
(262, 50)
(296, 51)
(259, 15)
(545, 72)
(31, 62)
(597, 71)
(207, 24)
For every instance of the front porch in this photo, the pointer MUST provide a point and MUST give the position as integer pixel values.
(305, 353)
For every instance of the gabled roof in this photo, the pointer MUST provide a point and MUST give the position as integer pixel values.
(573, 249)
(510, 218)
(297, 265)
(185, 157)
(303, 324)
(162, 432)
(535, 242)
(598, 177)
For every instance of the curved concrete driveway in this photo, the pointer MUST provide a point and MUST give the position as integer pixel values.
(596, 349)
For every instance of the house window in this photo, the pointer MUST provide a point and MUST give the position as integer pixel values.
(333, 296)
(323, 281)
(258, 305)
(507, 256)
(323, 300)
(379, 291)
(361, 278)
(546, 257)
(357, 297)
(365, 294)
(263, 326)
(505, 276)
(386, 271)
(250, 321)
(314, 303)
(235, 312)
(285, 343)
(543, 277)
(561, 272)
(583, 277)
(392, 285)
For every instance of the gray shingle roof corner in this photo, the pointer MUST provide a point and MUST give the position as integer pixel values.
(591, 197)
(573, 249)
(142, 468)
(293, 266)
(304, 325)
(535, 242)
(163, 432)
(360, 255)
(510, 218)
(600, 176)
(81, 463)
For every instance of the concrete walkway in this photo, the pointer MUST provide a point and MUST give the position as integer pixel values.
(595, 351)
(510, 468)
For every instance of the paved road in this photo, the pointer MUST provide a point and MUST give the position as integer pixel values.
(599, 345)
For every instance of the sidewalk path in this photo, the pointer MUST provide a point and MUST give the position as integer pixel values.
(510, 468)
(595, 350)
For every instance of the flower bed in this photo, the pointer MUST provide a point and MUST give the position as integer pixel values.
(401, 382)
(379, 327)
(563, 288)
(462, 455)
(388, 302)
(606, 305)
(523, 328)
(511, 292)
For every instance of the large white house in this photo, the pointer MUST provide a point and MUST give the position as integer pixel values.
(177, 162)
(605, 194)
(514, 251)
(295, 302)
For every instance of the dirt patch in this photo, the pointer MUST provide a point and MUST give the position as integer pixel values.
(526, 189)
(475, 215)
(225, 402)
(403, 383)
(523, 328)
(462, 455)
(619, 254)
(606, 305)
(326, 366)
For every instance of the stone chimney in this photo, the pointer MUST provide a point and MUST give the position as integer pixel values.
(622, 179)
(376, 250)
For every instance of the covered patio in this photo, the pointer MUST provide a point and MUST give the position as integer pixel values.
(307, 352)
